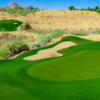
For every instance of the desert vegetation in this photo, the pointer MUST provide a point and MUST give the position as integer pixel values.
(20, 11)
(8, 41)
(45, 21)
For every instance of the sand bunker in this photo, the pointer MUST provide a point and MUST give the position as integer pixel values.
(52, 52)
(15, 23)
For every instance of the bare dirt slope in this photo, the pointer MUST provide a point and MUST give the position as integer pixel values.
(63, 19)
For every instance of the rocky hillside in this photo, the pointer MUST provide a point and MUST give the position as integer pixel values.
(28, 7)
(13, 4)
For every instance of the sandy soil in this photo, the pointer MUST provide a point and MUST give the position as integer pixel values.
(92, 37)
(22, 33)
(62, 19)
(52, 52)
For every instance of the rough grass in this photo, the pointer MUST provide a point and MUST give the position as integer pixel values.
(16, 83)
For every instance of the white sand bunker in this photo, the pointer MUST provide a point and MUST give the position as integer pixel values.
(15, 23)
(52, 52)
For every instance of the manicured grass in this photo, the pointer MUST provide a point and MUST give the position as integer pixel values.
(78, 66)
(9, 25)
(74, 76)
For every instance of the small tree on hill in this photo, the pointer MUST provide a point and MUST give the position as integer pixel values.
(2, 9)
(20, 8)
(16, 8)
(82, 9)
(36, 9)
(71, 8)
(96, 8)
(88, 8)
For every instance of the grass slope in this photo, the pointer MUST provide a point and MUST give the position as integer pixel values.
(82, 82)
(8, 25)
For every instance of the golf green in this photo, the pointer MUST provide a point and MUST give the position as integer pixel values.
(79, 66)
(73, 76)
(9, 25)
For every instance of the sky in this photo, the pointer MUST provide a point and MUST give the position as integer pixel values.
(54, 4)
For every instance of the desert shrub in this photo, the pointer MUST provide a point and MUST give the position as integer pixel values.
(24, 14)
(33, 45)
(45, 38)
(3, 18)
(4, 35)
(26, 27)
(28, 30)
(13, 48)
(58, 32)
(99, 32)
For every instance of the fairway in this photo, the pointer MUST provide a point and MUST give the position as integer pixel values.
(9, 25)
(73, 76)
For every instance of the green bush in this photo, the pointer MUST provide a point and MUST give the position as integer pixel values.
(45, 38)
(13, 48)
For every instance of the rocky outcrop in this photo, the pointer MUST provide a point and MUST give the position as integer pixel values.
(12, 5)
(28, 7)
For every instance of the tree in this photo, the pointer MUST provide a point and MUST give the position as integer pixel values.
(20, 8)
(2, 9)
(36, 9)
(42, 9)
(16, 8)
(99, 11)
(82, 9)
(76, 9)
(96, 8)
(71, 8)
(88, 8)
(10, 9)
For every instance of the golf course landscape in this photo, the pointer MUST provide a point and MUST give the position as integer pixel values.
(51, 52)
(73, 76)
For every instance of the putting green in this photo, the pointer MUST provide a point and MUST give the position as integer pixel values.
(79, 66)
(9, 25)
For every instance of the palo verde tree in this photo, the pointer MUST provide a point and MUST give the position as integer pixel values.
(96, 8)
(36, 9)
(20, 8)
(82, 8)
(16, 8)
(71, 8)
(88, 8)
